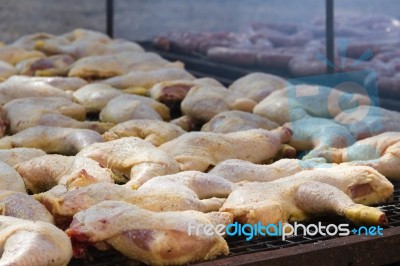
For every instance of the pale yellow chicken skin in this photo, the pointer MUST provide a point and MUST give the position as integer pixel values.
(132, 158)
(339, 190)
(10, 179)
(27, 243)
(14, 156)
(233, 121)
(157, 238)
(154, 131)
(42, 173)
(200, 150)
(257, 86)
(67, 141)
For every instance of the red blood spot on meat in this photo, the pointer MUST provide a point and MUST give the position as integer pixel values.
(41, 64)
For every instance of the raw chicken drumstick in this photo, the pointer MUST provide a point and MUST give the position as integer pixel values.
(241, 170)
(25, 112)
(295, 102)
(156, 238)
(381, 152)
(154, 131)
(233, 121)
(15, 156)
(27, 243)
(127, 107)
(200, 150)
(184, 191)
(66, 141)
(202, 103)
(132, 158)
(340, 190)
(257, 86)
(24, 206)
(44, 172)
(10, 179)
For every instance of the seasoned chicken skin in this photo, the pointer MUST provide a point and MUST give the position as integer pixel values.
(147, 79)
(184, 191)
(200, 150)
(127, 107)
(340, 190)
(380, 152)
(157, 238)
(44, 172)
(10, 179)
(154, 131)
(240, 170)
(204, 102)
(27, 243)
(52, 139)
(233, 121)
(106, 66)
(257, 86)
(25, 112)
(24, 206)
(133, 158)
(95, 96)
(15, 156)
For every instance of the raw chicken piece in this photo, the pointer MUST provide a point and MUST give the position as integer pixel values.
(188, 193)
(20, 87)
(27, 243)
(24, 206)
(13, 55)
(204, 102)
(296, 101)
(58, 120)
(27, 42)
(314, 133)
(367, 121)
(106, 66)
(202, 184)
(63, 83)
(81, 43)
(132, 157)
(10, 179)
(156, 238)
(184, 122)
(154, 131)
(95, 96)
(77, 43)
(297, 197)
(233, 121)
(127, 107)
(200, 150)
(6, 70)
(172, 91)
(257, 86)
(26, 112)
(56, 65)
(15, 156)
(240, 170)
(147, 79)
(52, 139)
(44, 172)
(380, 152)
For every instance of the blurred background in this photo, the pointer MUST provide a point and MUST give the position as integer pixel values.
(143, 19)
